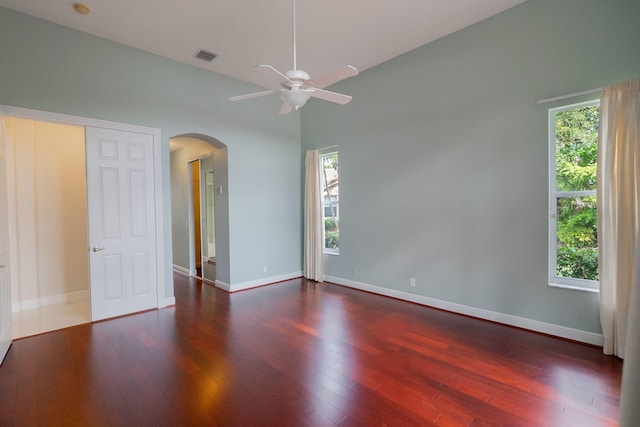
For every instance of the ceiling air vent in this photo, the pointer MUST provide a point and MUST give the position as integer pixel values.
(205, 55)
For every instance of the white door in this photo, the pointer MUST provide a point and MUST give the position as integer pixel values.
(122, 229)
(5, 285)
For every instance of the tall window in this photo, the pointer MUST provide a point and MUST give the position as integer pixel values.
(573, 232)
(330, 202)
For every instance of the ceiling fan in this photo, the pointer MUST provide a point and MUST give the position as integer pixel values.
(296, 87)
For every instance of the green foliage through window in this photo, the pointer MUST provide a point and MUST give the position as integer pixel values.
(577, 148)
(577, 222)
(330, 207)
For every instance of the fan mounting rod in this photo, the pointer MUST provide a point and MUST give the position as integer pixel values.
(293, 18)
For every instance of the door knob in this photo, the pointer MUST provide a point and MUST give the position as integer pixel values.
(97, 249)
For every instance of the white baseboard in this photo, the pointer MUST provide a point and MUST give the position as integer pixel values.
(494, 316)
(181, 270)
(67, 298)
(209, 281)
(255, 283)
(169, 301)
(223, 285)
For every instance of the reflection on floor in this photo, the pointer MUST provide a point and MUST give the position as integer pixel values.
(209, 271)
(49, 318)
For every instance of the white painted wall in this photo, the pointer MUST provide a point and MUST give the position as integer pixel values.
(48, 186)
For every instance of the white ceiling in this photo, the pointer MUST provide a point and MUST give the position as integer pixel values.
(243, 33)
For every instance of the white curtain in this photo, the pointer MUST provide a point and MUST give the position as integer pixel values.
(630, 396)
(313, 244)
(618, 209)
(619, 236)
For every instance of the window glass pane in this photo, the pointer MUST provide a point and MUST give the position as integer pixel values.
(331, 233)
(576, 148)
(577, 238)
(330, 197)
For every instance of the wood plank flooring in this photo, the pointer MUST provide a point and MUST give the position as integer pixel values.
(303, 354)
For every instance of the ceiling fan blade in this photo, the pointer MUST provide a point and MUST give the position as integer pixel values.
(253, 95)
(285, 109)
(338, 98)
(281, 77)
(327, 79)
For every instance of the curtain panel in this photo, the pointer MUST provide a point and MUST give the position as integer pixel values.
(313, 244)
(618, 198)
(618, 177)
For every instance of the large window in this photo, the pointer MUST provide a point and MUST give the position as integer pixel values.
(330, 202)
(573, 225)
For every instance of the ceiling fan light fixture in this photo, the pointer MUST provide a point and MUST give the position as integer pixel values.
(296, 97)
(295, 86)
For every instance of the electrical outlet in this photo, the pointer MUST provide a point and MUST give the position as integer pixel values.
(265, 269)
(412, 282)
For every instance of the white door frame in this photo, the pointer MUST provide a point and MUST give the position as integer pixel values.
(46, 116)
(191, 226)
(6, 331)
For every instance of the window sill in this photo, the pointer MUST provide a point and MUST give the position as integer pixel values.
(573, 287)
(326, 252)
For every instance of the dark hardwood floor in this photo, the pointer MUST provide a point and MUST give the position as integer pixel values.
(303, 354)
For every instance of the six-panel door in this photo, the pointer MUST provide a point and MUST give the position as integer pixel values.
(121, 207)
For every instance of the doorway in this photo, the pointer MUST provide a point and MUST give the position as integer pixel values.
(199, 207)
(50, 272)
(49, 244)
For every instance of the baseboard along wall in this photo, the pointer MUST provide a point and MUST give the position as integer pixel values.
(494, 316)
(66, 298)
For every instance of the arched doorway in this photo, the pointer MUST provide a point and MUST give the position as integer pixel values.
(199, 207)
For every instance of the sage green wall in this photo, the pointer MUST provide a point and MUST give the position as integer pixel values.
(443, 156)
(48, 67)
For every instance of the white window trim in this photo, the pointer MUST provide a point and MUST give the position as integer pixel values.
(553, 280)
(325, 250)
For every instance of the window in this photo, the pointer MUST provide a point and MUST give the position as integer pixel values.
(573, 224)
(330, 202)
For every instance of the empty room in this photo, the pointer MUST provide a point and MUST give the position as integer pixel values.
(294, 212)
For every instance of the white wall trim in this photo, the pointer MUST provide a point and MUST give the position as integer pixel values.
(169, 301)
(223, 285)
(181, 270)
(258, 282)
(208, 281)
(66, 298)
(47, 116)
(507, 319)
